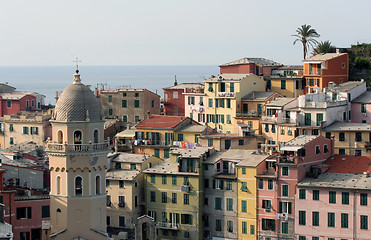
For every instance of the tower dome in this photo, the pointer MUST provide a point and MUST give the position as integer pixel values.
(77, 103)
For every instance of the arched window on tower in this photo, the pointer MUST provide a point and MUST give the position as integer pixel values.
(60, 137)
(58, 185)
(78, 186)
(77, 137)
(97, 185)
(96, 136)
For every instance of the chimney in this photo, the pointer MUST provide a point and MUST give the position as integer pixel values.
(96, 92)
(175, 82)
(253, 95)
(366, 174)
(149, 114)
(332, 146)
(56, 96)
(337, 50)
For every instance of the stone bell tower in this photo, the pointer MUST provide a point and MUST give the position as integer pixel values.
(77, 162)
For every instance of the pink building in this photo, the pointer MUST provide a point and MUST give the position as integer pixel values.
(277, 184)
(194, 103)
(336, 204)
(361, 108)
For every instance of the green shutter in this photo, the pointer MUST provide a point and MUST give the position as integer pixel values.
(280, 207)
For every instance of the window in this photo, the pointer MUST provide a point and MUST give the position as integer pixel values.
(218, 225)
(78, 186)
(319, 118)
(302, 238)
(186, 199)
(210, 102)
(25, 130)
(244, 227)
(124, 103)
(229, 185)
(318, 150)
(157, 152)
(270, 184)
(121, 221)
(201, 101)
(210, 89)
(125, 118)
(206, 201)
(341, 136)
(152, 103)
(302, 194)
(283, 84)
(136, 118)
(110, 111)
(315, 218)
(24, 213)
(107, 182)
(229, 121)
(153, 196)
(231, 87)
(261, 184)
(316, 195)
(210, 142)
(328, 135)
(173, 197)
(153, 178)
(273, 128)
(285, 227)
(185, 181)
(166, 153)
(243, 170)
(331, 219)
(285, 171)
(229, 204)
(302, 218)
(206, 183)
(34, 130)
(136, 103)
(358, 137)
(345, 198)
(307, 120)
(180, 137)
(133, 166)
(244, 186)
(325, 148)
(45, 211)
(268, 224)
(121, 201)
(218, 203)
(267, 205)
(363, 108)
(164, 197)
(164, 179)
(244, 206)
(228, 103)
(285, 190)
(109, 98)
(282, 130)
(252, 229)
(186, 219)
(363, 199)
(230, 226)
(173, 181)
(11, 127)
(9, 104)
(332, 197)
(241, 142)
(358, 152)
(341, 151)
(364, 222)
(344, 220)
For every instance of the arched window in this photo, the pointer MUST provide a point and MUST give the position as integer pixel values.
(96, 137)
(60, 137)
(77, 137)
(58, 185)
(97, 185)
(78, 186)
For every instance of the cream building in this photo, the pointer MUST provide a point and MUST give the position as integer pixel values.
(78, 162)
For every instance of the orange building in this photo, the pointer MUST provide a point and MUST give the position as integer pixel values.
(324, 69)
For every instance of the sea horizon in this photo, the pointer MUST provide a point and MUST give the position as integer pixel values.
(48, 80)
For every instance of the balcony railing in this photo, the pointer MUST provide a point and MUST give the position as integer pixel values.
(94, 147)
(144, 142)
(287, 159)
(269, 118)
(226, 94)
(164, 225)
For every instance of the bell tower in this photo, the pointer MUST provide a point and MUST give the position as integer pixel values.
(77, 162)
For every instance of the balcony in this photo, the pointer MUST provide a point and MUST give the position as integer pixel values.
(248, 115)
(313, 104)
(144, 142)
(95, 147)
(226, 94)
(272, 119)
(170, 226)
(288, 159)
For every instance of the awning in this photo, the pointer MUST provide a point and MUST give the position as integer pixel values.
(126, 134)
(291, 148)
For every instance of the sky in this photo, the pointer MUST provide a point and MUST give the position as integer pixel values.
(171, 32)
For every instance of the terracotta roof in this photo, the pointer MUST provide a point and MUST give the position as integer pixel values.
(248, 60)
(161, 121)
(324, 57)
(349, 164)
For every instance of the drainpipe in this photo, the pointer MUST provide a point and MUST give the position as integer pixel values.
(354, 216)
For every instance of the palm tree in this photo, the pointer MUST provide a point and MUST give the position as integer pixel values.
(306, 34)
(324, 47)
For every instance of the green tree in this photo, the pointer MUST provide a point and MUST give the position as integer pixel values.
(306, 35)
(324, 47)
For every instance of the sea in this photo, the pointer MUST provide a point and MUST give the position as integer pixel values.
(51, 79)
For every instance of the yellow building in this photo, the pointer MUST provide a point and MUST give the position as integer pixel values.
(155, 135)
(174, 194)
(246, 170)
(78, 162)
(26, 127)
(287, 81)
(350, 138)
(223, 98)
(125, 191)
(253, 107)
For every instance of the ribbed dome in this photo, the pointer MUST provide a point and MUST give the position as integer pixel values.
(77, 103)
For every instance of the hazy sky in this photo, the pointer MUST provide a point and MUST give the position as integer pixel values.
(171, 32)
